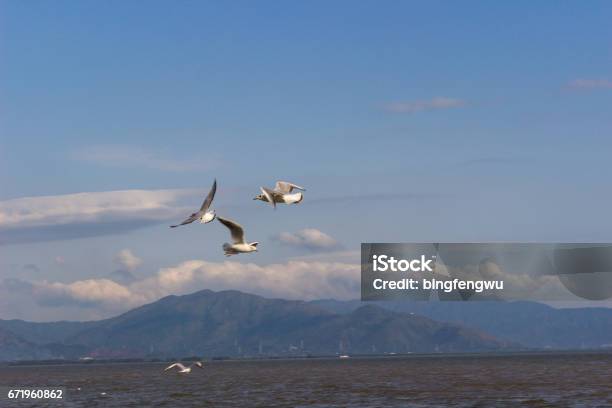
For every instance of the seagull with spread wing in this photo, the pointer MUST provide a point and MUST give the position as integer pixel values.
(182, 369)
(282, 194)
(240, 245)
(204, 215)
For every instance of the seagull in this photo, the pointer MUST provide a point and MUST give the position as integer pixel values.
(239, 245)
(282, 193)
(182, 368)
(203, 215)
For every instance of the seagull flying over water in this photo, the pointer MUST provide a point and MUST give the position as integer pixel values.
(204, 215)
(182, 368)
(239, 245)
(282, 193)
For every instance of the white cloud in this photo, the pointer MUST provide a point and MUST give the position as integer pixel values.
(583, 83)
(127, 261)
(137, 157)
(293, 279)
(80, 207)
(86, 214)
(309, 238)
(436, 103)
(290, 280)
(90, 292)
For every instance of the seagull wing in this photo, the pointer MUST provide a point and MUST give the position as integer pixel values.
(209, 197)
(189, 220)
(269, 195)
(286, 187)
(235, 229)
(171, 366)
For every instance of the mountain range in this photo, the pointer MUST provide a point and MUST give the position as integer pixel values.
(534, 325)
(236, 324)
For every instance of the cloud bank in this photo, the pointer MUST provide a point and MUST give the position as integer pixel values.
(86, 214)
(300, 279)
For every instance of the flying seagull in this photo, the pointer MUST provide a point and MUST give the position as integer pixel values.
(182, 368)
(282, 194)
(239, 245)
(204, 215)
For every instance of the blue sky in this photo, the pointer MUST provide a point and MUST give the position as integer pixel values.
(406, 121)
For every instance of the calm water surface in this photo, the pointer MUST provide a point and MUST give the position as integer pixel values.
(578, 380)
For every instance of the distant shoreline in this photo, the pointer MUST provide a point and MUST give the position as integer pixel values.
(496, 354)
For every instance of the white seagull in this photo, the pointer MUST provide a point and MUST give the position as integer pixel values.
(182, 368)
(204, 215)
(239, 245)
(282, 194)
